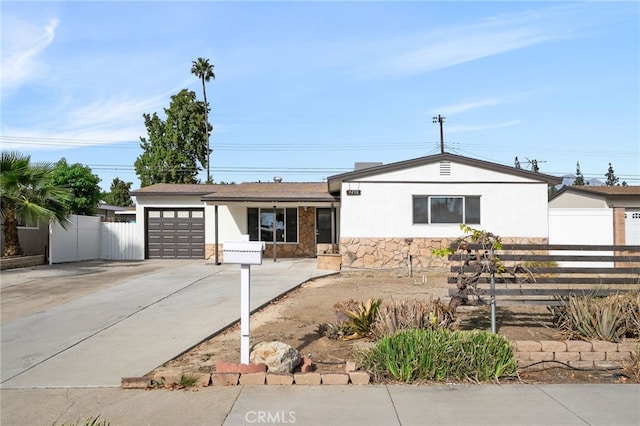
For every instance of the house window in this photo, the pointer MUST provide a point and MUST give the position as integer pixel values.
(260, 224)
(21, 224)
(446, 209)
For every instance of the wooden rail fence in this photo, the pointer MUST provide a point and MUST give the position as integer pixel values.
(542, 274)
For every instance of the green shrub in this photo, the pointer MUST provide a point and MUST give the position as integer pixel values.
(437, 354)
(188, 380)
(610, 318)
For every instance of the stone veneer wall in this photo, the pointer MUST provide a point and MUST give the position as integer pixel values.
(306, 246)
(388, 254)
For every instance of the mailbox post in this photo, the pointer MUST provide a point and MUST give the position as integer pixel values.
(245, 253)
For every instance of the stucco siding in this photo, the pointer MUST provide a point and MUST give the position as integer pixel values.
(571, 200)
(386, 209)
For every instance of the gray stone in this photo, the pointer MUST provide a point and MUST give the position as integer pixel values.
(278, 356)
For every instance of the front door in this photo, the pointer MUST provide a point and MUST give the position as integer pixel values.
(323, 226)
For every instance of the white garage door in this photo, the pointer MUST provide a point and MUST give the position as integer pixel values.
(632, 227)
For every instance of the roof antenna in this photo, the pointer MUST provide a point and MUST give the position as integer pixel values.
(440, 119)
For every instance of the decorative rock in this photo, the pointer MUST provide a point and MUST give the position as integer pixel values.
(359, 377)
(279, 378)
(135, 382)
(312, 379)
(252, 379)
(278, 356)
(204, 379)
(335, 379)
(168, 377)
(225, 379)
(351, 366)
(307, 365)
(230, 367)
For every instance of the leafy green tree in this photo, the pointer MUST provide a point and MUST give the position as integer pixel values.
(204, 71)
(176, 147)
(83, 184)
(612, 179)
(579, 180)
(119, 194)
(27, 196)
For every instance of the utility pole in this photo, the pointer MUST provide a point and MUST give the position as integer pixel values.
(440, 119)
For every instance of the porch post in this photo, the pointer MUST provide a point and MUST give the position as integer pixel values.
(215, 249)
(333, 230)
(275, 231)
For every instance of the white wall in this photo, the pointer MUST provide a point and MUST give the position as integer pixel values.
(581, 226)
(386, 209)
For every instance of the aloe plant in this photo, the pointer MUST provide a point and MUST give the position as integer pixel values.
(607, 318)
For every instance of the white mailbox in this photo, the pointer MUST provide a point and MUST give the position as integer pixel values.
(245, 252)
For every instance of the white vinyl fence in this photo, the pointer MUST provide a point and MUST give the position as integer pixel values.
(87, 238)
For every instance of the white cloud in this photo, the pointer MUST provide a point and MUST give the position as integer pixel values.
(472, 128)
(23, 44)
(454, 45)
(466, 106)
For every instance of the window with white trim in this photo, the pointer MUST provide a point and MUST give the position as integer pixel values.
(446, 209)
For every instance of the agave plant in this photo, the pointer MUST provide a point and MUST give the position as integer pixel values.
(361, 319)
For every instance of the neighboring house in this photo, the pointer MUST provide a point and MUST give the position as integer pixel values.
(381, 216)
(392, 216)
(107, 212)
(34, 240)
(602, 215)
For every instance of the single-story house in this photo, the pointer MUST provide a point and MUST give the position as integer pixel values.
(381, 216)
(603, 215)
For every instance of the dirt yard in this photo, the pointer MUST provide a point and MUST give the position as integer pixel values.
(295, 317)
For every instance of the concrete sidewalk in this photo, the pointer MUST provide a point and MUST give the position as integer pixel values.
(523, 405)
(135, 326)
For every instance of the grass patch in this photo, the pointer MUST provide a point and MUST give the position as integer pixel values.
(438, 354)
(188, 380)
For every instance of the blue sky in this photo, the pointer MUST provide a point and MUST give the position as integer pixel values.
(304, 90)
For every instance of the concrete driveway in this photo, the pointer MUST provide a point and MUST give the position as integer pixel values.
(127, 324)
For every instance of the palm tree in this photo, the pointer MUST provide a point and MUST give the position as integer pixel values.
(27, 195)
(204, 71)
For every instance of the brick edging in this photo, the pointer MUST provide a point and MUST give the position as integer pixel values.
(256, 378)
(595, 354)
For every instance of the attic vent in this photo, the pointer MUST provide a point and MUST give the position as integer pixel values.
(445, 168)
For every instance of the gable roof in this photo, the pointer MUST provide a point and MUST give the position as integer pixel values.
(336, 180)
(603, 191)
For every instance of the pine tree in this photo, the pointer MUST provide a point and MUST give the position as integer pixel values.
(612, 179)
(579, 180)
